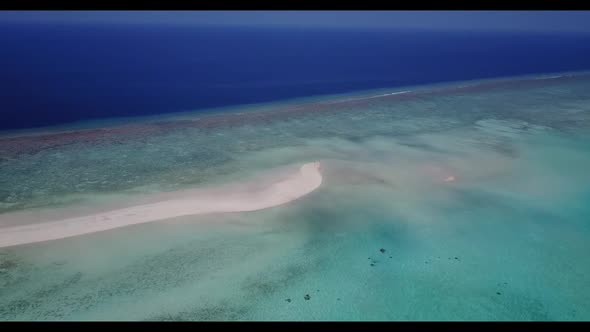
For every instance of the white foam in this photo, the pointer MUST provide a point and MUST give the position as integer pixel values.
(369, 97)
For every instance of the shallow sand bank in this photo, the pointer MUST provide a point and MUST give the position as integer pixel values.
(240, 198)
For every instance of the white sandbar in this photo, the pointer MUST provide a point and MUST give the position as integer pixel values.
(305, 180)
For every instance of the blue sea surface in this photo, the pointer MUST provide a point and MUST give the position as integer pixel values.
(54, 74)
(453, 201)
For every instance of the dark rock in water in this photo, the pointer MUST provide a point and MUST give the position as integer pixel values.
(382, 250)
(369, 258)
(498, 293)
(372, 264)
(317, 290)
(288, 300)
(456, 258)
(7, 264)
(390, 257)
(307, 297)
(338, 299)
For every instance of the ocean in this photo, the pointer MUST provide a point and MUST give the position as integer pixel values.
(58, 74)
(442, 201)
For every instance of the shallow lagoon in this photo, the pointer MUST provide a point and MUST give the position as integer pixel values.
(505, 240)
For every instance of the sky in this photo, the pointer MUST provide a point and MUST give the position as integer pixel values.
(537, 21)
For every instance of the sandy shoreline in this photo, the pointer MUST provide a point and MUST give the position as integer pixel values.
(305, 180)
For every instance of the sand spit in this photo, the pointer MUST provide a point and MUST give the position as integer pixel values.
(237, 199)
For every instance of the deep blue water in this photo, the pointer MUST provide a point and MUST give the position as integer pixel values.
(54, 74)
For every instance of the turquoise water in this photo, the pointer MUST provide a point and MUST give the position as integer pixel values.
(507, 240)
